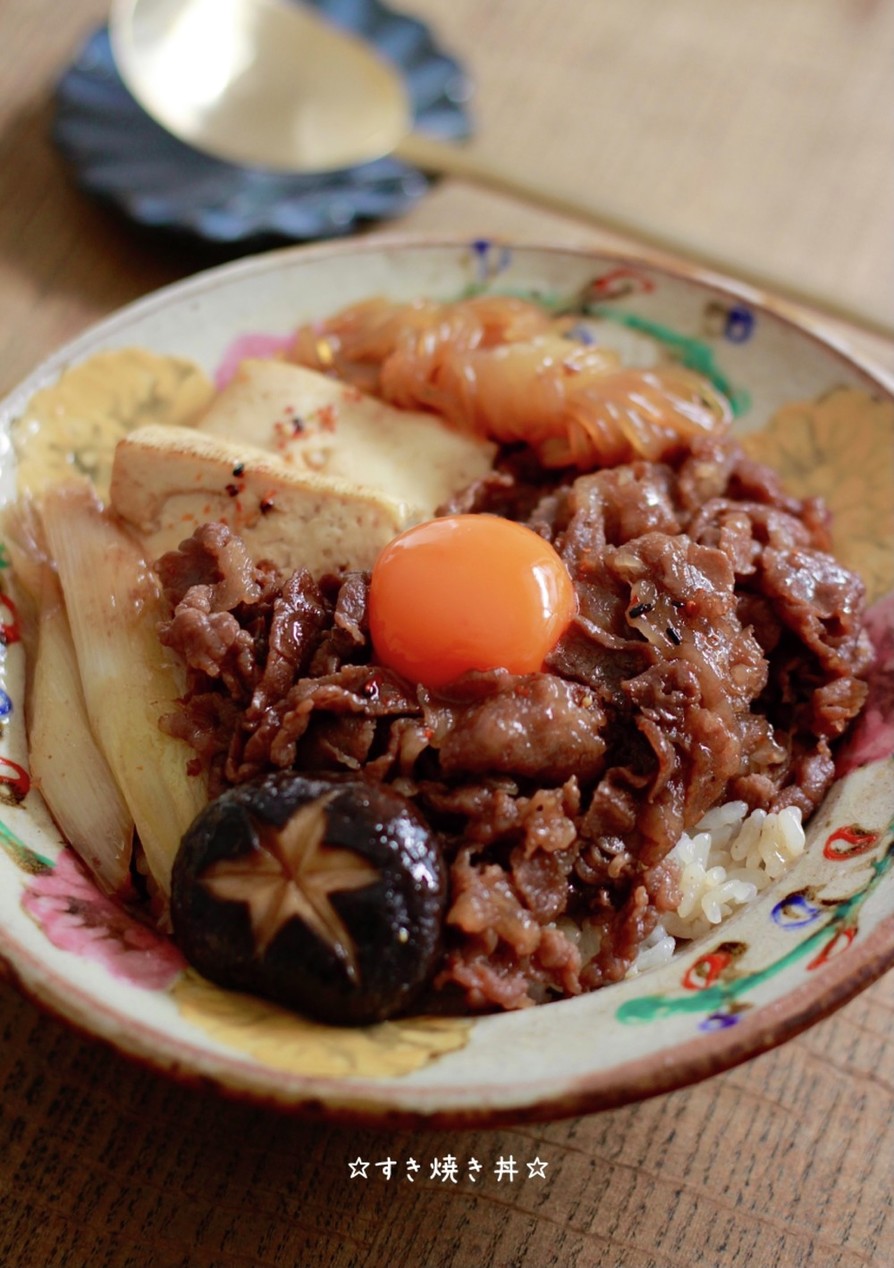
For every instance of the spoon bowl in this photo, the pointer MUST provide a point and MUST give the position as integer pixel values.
(260, 82)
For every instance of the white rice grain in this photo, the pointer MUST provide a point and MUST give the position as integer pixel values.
(724, 863)
(654, 951)
(729, 858)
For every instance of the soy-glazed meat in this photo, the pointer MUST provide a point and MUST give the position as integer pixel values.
(715, 655)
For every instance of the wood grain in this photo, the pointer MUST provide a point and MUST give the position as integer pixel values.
(759, 133)
(787, 1160)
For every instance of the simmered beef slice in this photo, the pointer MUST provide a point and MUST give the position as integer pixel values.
(537, 726)
(716, 653)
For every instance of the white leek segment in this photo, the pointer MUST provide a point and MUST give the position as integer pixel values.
(66, 764)
(23, 537)
(129, 680)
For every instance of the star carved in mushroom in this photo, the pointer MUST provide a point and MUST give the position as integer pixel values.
(294, 872)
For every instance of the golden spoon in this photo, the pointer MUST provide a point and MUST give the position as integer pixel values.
(271, 83)
(259, 82)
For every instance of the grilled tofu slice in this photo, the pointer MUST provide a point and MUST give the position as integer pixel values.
(308, 471)
(166, 481)
(317, 424)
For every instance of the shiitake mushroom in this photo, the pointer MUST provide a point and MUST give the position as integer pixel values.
(325, 894)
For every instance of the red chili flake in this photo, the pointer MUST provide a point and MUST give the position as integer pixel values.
(267, 503)
(233, 490)
(328, 417)
(289, 427)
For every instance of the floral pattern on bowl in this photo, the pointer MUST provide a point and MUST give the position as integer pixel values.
(66, 904)
(809, 942)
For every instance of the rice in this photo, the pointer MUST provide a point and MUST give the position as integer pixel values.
(724, 863)
(655, 950)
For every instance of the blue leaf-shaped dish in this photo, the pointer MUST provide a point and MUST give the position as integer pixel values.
(122, 155)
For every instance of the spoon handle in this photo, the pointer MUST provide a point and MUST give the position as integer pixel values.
(443, 158)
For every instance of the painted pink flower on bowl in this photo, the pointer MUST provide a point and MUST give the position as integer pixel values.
(76, 916)
(873, 736)
(246, 347)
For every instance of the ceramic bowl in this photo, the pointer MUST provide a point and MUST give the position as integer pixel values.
(801, 949)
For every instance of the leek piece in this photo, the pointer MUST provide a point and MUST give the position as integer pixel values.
(67, 766)
(130, 681)
(23, 537)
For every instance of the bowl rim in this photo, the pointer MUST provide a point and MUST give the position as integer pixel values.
(375, 1103)
(801, 319)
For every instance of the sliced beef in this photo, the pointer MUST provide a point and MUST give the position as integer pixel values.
(718, 651)
(534, 727)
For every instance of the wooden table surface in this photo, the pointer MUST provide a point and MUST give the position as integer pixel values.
(763, 137)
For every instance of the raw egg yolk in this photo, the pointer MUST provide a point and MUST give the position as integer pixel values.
(467, 592)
